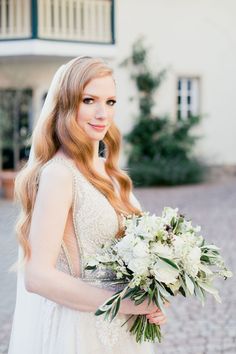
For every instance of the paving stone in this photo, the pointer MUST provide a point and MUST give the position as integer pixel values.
(191, 328)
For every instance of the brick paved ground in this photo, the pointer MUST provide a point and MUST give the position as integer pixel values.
(8, 255)
(191, 329)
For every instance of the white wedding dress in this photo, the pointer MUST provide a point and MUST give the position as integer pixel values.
(51, 328)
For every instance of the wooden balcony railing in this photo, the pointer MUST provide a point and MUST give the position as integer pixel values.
(72, 20)
(15, 19)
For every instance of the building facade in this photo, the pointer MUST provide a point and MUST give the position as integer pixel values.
(195, 40)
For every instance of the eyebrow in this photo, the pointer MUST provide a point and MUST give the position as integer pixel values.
(88, 94)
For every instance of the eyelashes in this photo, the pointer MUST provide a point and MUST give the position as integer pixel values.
(89, 100)
(112, 101)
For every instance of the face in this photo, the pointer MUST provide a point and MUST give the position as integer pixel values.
(96, 110)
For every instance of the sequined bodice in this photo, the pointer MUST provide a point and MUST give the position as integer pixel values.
(94, 220)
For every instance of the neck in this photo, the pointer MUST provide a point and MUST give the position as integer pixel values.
(96, 153)
(95, 159)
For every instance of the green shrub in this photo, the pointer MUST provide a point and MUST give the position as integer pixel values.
(160, 149)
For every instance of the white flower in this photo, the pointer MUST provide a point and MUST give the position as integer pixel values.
(92, 262)
(162, 250)
(179, 246)
(140, 250)
(192, 261)
(104, 258)
(169, 213)
(194, 255)
(139, 266)
(125, 248)
(119, 275)
(164, 272)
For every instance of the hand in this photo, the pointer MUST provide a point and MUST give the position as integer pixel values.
(157, 317)
(143, 309)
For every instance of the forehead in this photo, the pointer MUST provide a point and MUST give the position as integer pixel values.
(103, 86)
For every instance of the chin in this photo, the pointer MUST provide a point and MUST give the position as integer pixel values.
(97, 137)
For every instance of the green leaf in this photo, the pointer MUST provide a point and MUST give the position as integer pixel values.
(107, 314)
(91, 267)
(174, 265)
(99, 312)
(150, 295)
(111, 300)
(130, 292)
(160, 303)
(139, 299)
(115, 308)
(182, 291)
(200, 294)
(163, 291)
(211, 290)
(205, 269)
(189, 284)
(211, 247)
(183, 288)
(205, 258)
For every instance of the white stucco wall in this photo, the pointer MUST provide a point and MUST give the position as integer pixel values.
(196, 38)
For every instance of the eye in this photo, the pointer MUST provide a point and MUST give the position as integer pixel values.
(111, 102)
(88, 100)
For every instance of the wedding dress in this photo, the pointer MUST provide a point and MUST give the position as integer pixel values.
(55, 329)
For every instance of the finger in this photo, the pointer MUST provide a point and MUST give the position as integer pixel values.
(158, 318)
(158, 322)
(156, 314)
(154, 311)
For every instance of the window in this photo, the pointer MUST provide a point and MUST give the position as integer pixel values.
(15, 116)
(187, 97)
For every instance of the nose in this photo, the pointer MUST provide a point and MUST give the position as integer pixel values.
(101, 112)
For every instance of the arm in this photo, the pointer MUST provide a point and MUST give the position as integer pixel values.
(53, 202)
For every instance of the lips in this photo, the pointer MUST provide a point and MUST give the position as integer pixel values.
(97, 126)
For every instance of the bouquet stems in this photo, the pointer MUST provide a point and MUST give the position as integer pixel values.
(145, 331)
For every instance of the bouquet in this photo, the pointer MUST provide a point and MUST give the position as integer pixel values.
(158, 257)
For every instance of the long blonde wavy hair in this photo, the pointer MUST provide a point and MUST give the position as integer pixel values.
(60, 130)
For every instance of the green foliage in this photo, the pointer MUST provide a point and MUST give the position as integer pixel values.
(160, 149)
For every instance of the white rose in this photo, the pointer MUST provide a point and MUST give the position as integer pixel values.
(140, 250)
(164, 272)
(125, 248)
(139, 266)
(162, 250)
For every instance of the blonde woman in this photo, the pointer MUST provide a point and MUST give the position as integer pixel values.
(71, 201)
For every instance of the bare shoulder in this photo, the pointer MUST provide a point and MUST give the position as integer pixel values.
(56, 181)
(57, 171)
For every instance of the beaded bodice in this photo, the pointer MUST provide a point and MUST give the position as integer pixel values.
(94, 222)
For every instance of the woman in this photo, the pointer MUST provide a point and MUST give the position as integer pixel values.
(71, 203)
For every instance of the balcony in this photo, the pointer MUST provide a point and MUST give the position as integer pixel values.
(66, 22)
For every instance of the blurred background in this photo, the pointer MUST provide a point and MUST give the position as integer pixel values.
(174, 63)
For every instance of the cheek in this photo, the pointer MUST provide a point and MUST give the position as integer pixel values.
(111, 115)
(83, 115)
